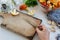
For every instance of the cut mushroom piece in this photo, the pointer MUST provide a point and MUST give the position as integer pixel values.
(53, 30)
(49, 22)
(53, 23)
(14, 12)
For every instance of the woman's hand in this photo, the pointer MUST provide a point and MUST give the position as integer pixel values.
(43, 33)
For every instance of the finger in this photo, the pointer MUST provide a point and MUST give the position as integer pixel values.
(40, 27)
(44, 28)
(38, 31)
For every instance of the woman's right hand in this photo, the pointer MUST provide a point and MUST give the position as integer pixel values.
(43, 34)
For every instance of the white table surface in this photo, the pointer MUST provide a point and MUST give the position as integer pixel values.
(8, 35)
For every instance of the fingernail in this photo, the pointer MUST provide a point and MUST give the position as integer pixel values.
(40, 28)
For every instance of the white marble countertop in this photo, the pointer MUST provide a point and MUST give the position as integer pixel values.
(8, 35)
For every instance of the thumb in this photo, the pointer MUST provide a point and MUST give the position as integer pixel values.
(38, 31)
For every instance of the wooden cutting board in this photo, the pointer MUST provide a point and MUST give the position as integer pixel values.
(22, 24)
